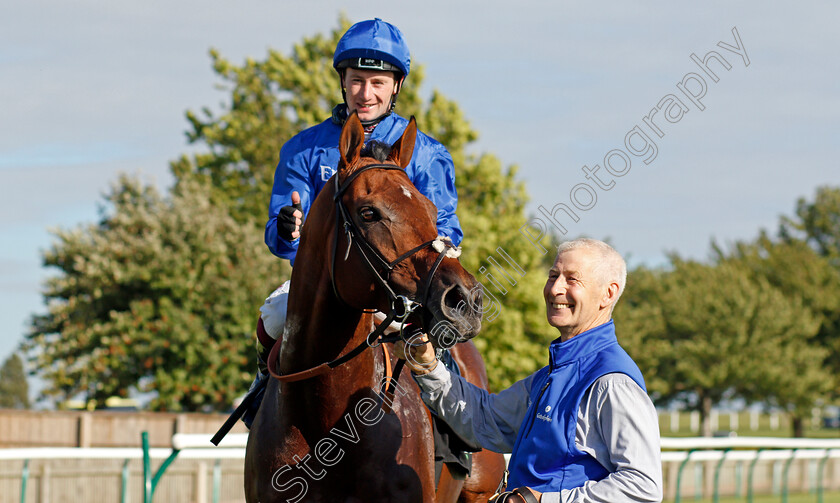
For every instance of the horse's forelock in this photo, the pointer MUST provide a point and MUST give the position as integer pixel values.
(374, 149)
(377, 150)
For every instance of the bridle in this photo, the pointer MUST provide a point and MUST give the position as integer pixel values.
(399, 303)
(401, 306)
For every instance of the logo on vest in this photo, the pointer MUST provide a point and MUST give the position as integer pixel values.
(543, 416)
(326, 172)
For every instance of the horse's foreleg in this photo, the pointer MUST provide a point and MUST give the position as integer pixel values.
(448, 487)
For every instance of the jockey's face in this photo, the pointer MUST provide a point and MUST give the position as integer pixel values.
(369, 92)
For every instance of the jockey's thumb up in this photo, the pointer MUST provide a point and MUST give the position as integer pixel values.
(290, 219)
(418, 353)
(296, 202)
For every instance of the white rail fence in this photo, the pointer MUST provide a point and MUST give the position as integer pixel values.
(744, 466)
(692, 468)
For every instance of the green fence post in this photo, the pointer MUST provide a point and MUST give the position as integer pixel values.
(217, 481)
(717, 475)
(150, 482)
(163, 466)
(739, 476)
(677, 496)
(147, 468)
(124, 490)
(750, 475)
(785, 476)
(24, 478)
(820, 470)
(699, 480)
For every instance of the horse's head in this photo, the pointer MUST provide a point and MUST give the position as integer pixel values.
(387, 245)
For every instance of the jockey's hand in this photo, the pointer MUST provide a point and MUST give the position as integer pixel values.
(290, 219)
(420, 355)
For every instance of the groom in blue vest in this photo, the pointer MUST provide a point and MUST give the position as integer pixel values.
(580, 429)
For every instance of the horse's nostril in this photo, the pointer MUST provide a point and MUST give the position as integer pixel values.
(465, 302)
(453, 297)
(460, 304)
(461, 308)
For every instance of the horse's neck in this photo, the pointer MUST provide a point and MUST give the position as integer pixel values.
(317, 336)
(321, 328)
(311, 342)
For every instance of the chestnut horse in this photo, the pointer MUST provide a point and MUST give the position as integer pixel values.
(326, 432)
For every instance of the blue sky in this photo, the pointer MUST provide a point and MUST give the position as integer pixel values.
(92, 89)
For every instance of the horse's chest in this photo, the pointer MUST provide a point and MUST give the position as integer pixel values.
(367, 455)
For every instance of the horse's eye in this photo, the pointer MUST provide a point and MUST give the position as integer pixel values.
(368, 214)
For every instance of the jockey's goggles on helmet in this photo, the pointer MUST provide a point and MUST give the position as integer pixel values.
(367, 64)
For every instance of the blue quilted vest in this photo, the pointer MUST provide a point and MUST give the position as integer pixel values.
(545, 456)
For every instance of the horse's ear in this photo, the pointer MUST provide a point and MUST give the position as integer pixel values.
(402, 150)
(351, 140)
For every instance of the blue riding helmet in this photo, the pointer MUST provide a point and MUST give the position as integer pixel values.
(373, 45)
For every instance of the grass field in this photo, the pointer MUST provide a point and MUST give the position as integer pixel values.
(745, 424)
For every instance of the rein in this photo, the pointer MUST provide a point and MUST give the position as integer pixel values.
(371, 341)
(401, 306)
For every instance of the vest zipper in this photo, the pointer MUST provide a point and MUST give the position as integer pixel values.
(536, 404)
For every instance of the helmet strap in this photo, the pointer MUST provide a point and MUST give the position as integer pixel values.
(341, 85)
(397, 92)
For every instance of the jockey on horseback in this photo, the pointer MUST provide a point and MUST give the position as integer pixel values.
(372, 61)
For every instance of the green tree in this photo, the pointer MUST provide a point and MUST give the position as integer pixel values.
(160, 296)
(797, 270)
(817, 223)
(14, 390)
(640, 328)
(732, 334)
(270, 101)
(275, 98)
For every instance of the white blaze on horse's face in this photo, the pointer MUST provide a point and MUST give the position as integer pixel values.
(369, 92)
(406, 191)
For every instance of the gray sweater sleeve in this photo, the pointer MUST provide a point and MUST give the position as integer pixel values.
(490, 419)
(618, 425)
